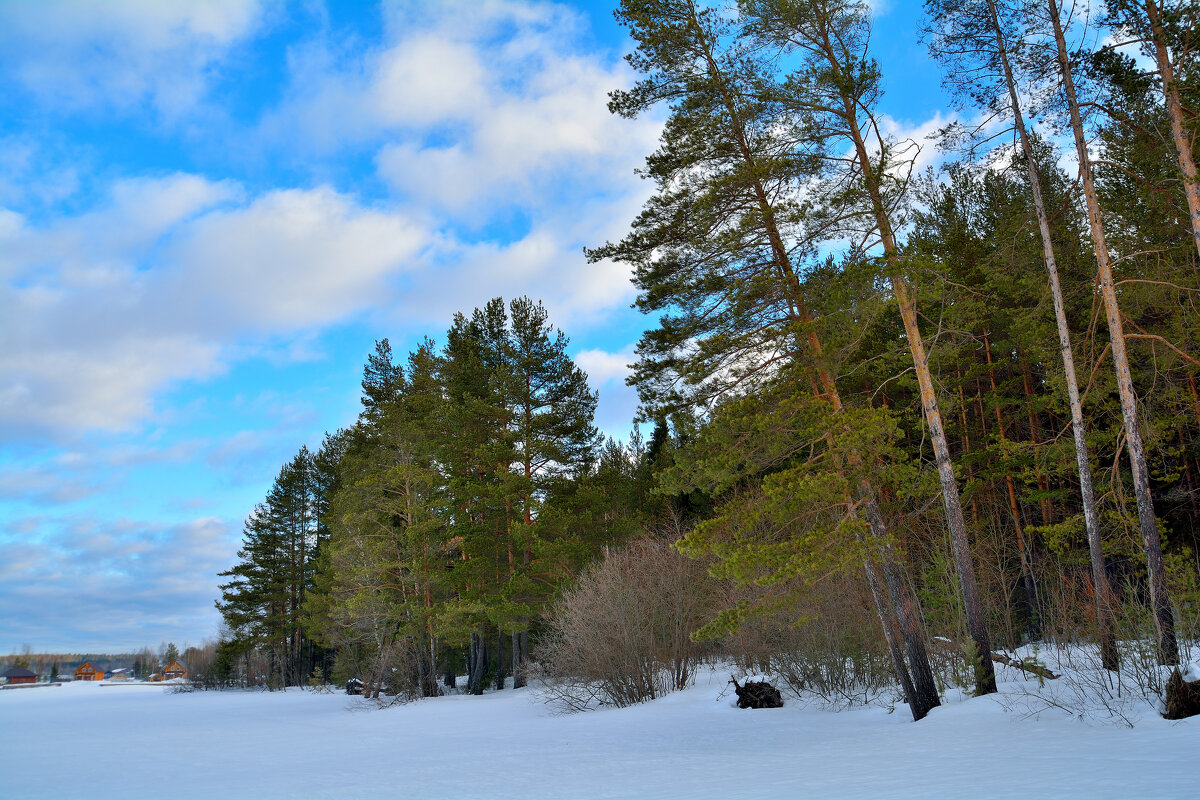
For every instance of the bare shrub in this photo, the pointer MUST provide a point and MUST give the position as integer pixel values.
(622, 634)
(829, 648)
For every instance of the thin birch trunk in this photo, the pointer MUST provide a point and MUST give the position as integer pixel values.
(1160, 601)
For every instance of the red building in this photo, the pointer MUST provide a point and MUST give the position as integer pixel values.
(18, 675)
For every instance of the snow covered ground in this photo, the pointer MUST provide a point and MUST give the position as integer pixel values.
(92, 740)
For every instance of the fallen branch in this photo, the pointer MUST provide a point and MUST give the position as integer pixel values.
(1025, 666)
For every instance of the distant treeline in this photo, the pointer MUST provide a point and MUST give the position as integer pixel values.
(140, 664)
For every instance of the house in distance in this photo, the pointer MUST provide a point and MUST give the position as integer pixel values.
(174, 670)
(18, 675)
(86, 672)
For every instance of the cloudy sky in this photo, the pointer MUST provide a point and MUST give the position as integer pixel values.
(210, 209)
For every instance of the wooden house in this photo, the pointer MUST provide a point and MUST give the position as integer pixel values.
(18, 675)
(174, 670)
(86, 672)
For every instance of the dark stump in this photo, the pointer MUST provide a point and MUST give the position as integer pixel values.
(1182, 697)
(354, 686)
(757, 694)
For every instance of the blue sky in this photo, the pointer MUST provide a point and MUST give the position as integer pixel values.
(210, 210)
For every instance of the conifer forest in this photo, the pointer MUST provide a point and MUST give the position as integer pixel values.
(905, 405)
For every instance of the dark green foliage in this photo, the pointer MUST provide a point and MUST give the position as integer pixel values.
(468, 491)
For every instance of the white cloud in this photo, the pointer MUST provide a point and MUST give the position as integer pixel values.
(131, 582)
(122, 53)
(603, 367)
(290, 260)
(105, 382)
(157, 284)
(427, 79)
(483, 117)
(470, 107)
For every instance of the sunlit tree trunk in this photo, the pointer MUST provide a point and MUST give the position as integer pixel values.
(921, 694)
(1170, 87)
(1168, 650)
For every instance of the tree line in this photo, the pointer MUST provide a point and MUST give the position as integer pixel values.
(426, 540)
(972, 392)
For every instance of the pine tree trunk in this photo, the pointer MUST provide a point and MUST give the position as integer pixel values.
(965, 437)
(907, 611)
(1035, 436)
(1170, 88)
(1108, 643)
(985, 674)
(1160, 602)
(1195, 397)
(798, 313)
(499, 659)
(520, 643)
(892, 635)
(1014, 508)
(476, 663)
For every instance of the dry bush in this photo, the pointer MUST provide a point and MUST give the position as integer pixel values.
(829, 648)
(622, 634)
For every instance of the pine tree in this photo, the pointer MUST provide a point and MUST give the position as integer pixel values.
(264, 600)
(716, 252)
(832, 95)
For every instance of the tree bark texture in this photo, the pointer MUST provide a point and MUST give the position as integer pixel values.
(1170, 88)
(1160, 602)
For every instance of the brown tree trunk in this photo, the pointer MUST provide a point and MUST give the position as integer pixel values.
(476, 663)
(499, 659)
(1160, 601)
(907, 609)
(1170, 89)
(1195, 397)
(520, 644)
(892, 635)
(965, 436)
(924, 695)
(1035, 436)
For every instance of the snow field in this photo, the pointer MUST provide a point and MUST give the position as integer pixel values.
(92, 740)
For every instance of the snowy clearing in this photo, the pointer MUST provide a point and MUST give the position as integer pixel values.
(92, 740)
